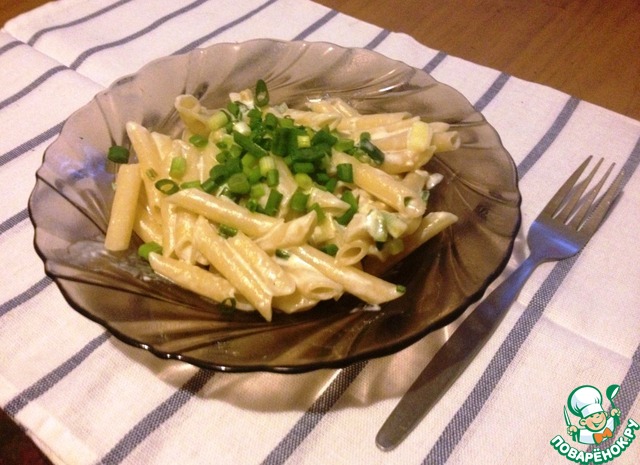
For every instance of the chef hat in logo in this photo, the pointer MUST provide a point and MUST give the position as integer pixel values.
(585, 401)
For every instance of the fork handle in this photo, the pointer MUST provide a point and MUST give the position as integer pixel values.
(453, 358)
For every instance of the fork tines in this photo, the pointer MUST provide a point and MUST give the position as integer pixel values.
(582, 212)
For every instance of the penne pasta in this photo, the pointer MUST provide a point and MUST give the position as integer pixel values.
(221, 210)
(266, 207)
(233, 267)
(192, 277)
(123, 209)
(363, 285)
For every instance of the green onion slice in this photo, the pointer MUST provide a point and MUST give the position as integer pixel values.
(298, 202)
(167, 186)
(330, 249)
(118, 154)
(376, 155)
(198, 141)
(344, 171)
(261, 96)
(178, 167)
(227, 231)
(147, 248)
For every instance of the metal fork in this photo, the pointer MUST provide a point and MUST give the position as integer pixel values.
(561, 230)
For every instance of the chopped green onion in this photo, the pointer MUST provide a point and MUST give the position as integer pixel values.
(198, 141)
(190, 185)
(238, 183)
(252, 205)
(331, 185)
(234, 109)
(273, 177)
(257, 191)
(298, 202)
(261, 96)
(270, 121)
(303, 180)
(303, 167)
(324, 137)
(151, 174)
(218, 173)
(209, 185)
(347, 216)
(252, 174)
(321, 177)
(376, 155)
(118, 154)
(249, 161)
(178, 167)
(303, 141)
(266, 164)
(228, 305)
(344, 171)
(233, 165)
(227, 231)
(321, 215)
(401, 289)
(273, 202)
(344, 145)
(250, 146)
(282, 253)
(147, 248)
(330, 249)
(167, 186)
(282, 141)
(216, 121)
(223, 156)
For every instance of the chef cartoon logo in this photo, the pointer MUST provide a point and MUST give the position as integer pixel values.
(588, 422)
(595, 424)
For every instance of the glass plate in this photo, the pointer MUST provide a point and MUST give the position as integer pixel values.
(71, 201)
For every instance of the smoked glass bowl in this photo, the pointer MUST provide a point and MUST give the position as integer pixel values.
(70, 207)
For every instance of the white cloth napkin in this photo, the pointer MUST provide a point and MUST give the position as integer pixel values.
(85, 397)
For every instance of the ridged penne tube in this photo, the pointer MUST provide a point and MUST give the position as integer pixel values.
(192, 277)
(416, 180)
(363, 285)
(292, 303)
(124, 208)
(333, 105)
(405, 161)
(352, 252)
(446, 141)
(198, 119)
(229, 264)
(147, 227)
(384, 186)
(324, 231)
(149, 160)
(177, 234)
(289, 233)
(310, 282)
(222, 210)
(432, 224)
(361, 123)
(277, 280)
(331, 204)
(286, 183)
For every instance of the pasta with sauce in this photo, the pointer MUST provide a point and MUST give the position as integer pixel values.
(264, 207)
